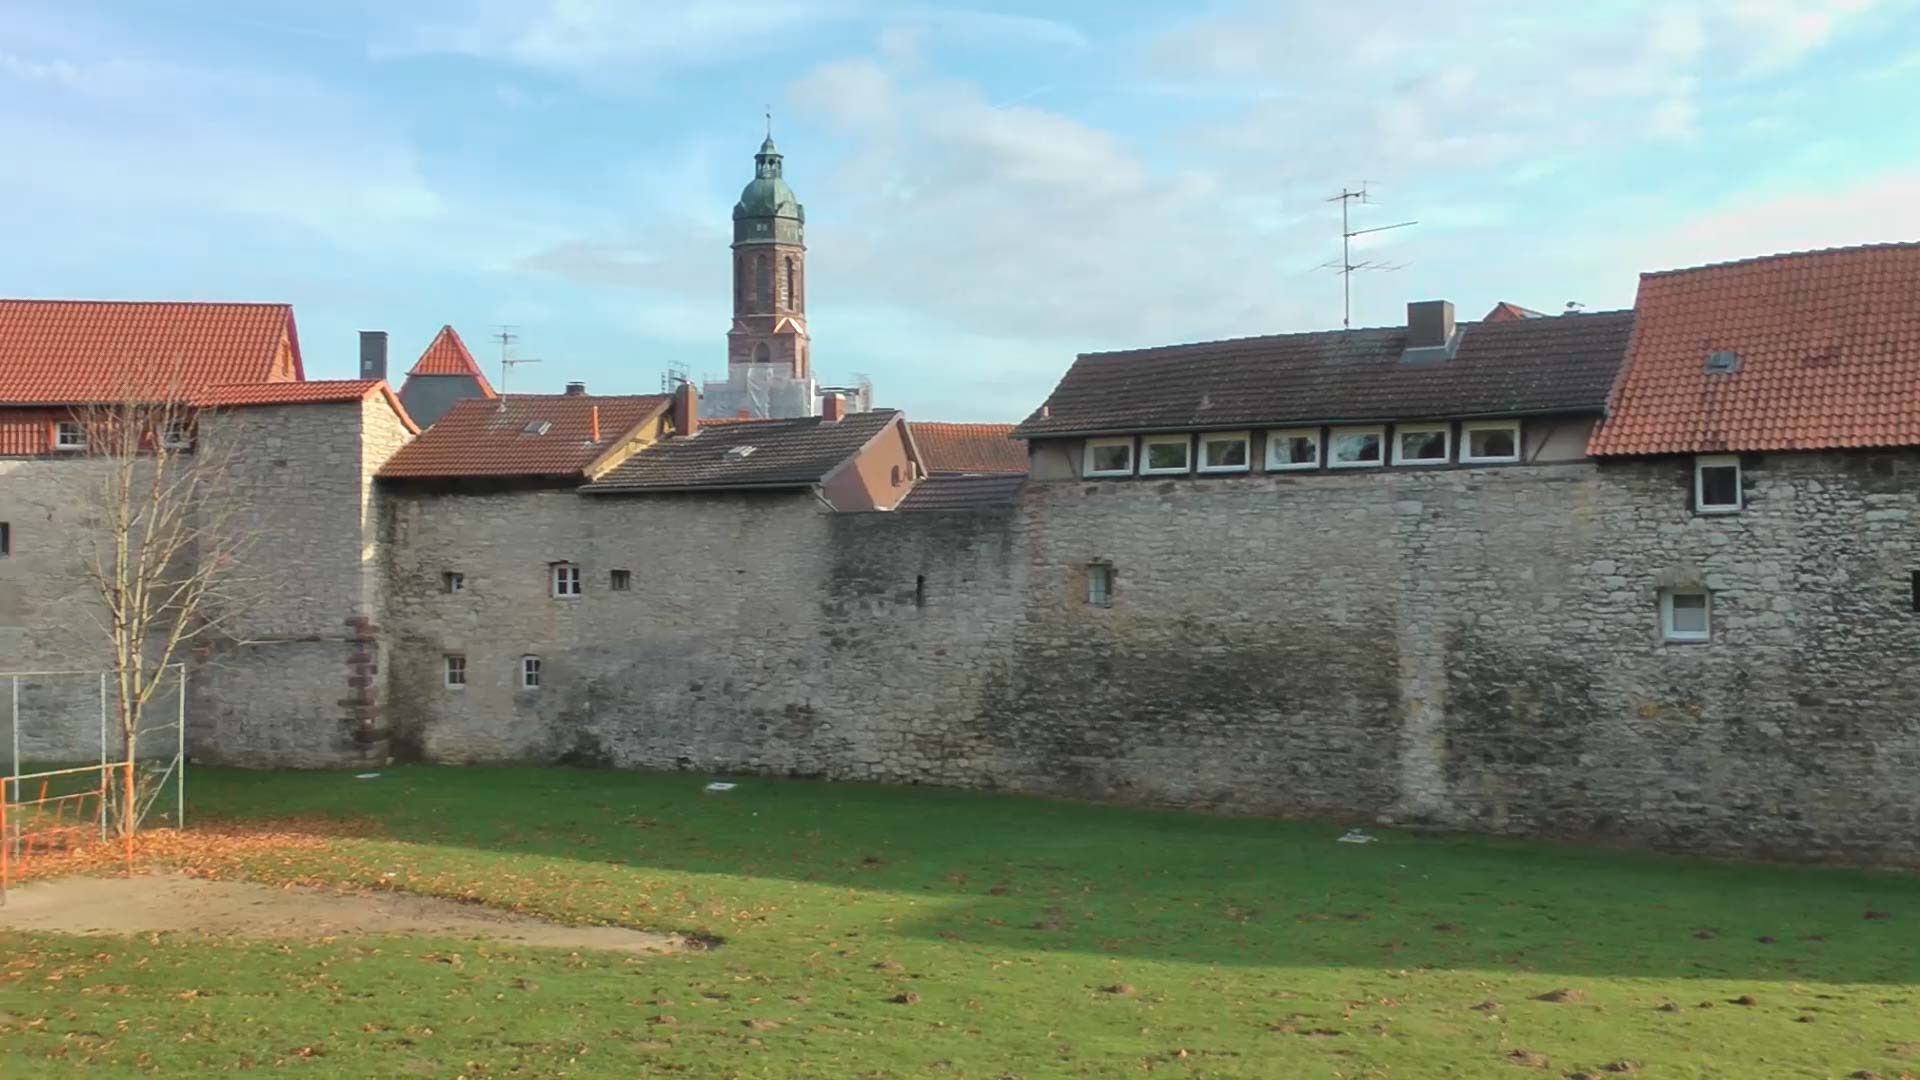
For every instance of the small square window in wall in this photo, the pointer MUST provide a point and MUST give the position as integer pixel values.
(69, 435)
(453, 581)
(1109, 457)
(456, 671)
(620, 580)
(529, 673)
(1225, 451)
(566, 581)
(1490, 441)
(1166, 455)
(1685, 615)
(1356, 448)
(1100, 585)
(1422, 444)
(1294, 448)
(1716, 484)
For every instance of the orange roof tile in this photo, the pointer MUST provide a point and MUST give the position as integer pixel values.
(968, 448)
(1827, 348)
(69, 352)
(1507, 311)
(503, 437)
(447, 355)
(320, 391)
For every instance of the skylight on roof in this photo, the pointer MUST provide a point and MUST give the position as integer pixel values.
(741, 451)
(1723, 361)
(537, 427)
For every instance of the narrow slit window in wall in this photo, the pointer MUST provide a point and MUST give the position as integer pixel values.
(1100, 585)
(920, 590)
(6, 542)
(453, 581)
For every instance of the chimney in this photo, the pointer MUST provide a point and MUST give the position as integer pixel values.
(596, 422)
(576, 389)
(373, 354)
(1430, 331)
(686, 409)
(833, 408)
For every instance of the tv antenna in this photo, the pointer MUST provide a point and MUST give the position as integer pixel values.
(1346, 266)
(506, 337)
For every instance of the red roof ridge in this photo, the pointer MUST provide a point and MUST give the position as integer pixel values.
(1845, 249)
(311, 392)
(145, 303)
(447, 354)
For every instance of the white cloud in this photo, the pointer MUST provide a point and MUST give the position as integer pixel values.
(1874, 210)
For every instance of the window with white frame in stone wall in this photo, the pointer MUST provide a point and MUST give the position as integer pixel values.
(565, 580)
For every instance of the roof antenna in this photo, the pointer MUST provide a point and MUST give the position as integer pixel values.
(1346, 266)
(506, 337)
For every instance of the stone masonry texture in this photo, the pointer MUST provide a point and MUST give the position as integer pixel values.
(1473, 648)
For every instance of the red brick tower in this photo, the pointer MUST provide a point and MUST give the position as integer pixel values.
(769, 273)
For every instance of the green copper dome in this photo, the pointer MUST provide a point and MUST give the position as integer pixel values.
(767, 196)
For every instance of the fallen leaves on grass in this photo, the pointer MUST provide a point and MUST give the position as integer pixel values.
(203, 851)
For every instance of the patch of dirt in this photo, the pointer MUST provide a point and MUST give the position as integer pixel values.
(176, 903)
(1560, 997)
(1528, 1059)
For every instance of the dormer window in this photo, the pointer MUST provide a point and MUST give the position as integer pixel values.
(537, 427)
(1166, 455)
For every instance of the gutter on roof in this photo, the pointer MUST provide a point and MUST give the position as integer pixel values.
(770, 485)
(1595, 410)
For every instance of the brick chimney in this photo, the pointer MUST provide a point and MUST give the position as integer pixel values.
(833, 408)
(373, 354)
(1430, 331)
(686, 409)
(576, 389)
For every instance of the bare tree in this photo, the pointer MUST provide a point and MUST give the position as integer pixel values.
(161, 547)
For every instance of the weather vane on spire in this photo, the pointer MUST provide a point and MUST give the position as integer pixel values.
(769, 121)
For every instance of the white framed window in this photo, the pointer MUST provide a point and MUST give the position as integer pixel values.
(1164, 455)
(1109, 457)
(1422, 444)
(1099, 585)
(1716, 484)
(1356, 447)
(453, 581)
(566, 580)
(1225, 451)
(1686, 615)
(1293, 448)
(455, 671)
(69, 435)
(1485, 442)
(529, 673)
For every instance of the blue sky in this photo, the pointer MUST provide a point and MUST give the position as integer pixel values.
(988, 191)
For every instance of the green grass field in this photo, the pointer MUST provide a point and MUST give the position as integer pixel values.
(876, 932)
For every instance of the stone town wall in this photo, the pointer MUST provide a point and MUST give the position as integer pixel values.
(1472, 648)
(299, 681)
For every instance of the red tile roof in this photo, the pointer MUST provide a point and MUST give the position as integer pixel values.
(447, 355)
(968, 448)
(1505, 311)
(69, 352)
(500, 437)
(302, 393)
(1826, 347)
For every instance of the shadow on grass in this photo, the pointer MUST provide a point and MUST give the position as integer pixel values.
(1019, 873)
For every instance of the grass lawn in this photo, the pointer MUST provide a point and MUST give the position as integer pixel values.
(876, 932)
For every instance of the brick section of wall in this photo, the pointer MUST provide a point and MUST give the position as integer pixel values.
(1471, 648)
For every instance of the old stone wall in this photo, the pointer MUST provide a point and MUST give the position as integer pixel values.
(1466, 647)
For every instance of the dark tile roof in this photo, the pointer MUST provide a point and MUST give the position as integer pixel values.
(964, 493)
(479, 437)
(968, 448)
(785, 453)
(1561, 364)
(1826, 351)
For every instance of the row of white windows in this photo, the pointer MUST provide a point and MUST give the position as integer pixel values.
(1489, 442)
(454, 672)
(72, 435)
(563, 581)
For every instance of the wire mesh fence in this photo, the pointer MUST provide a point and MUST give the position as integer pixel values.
(75, 776)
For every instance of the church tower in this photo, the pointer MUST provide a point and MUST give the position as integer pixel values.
(769, 276)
